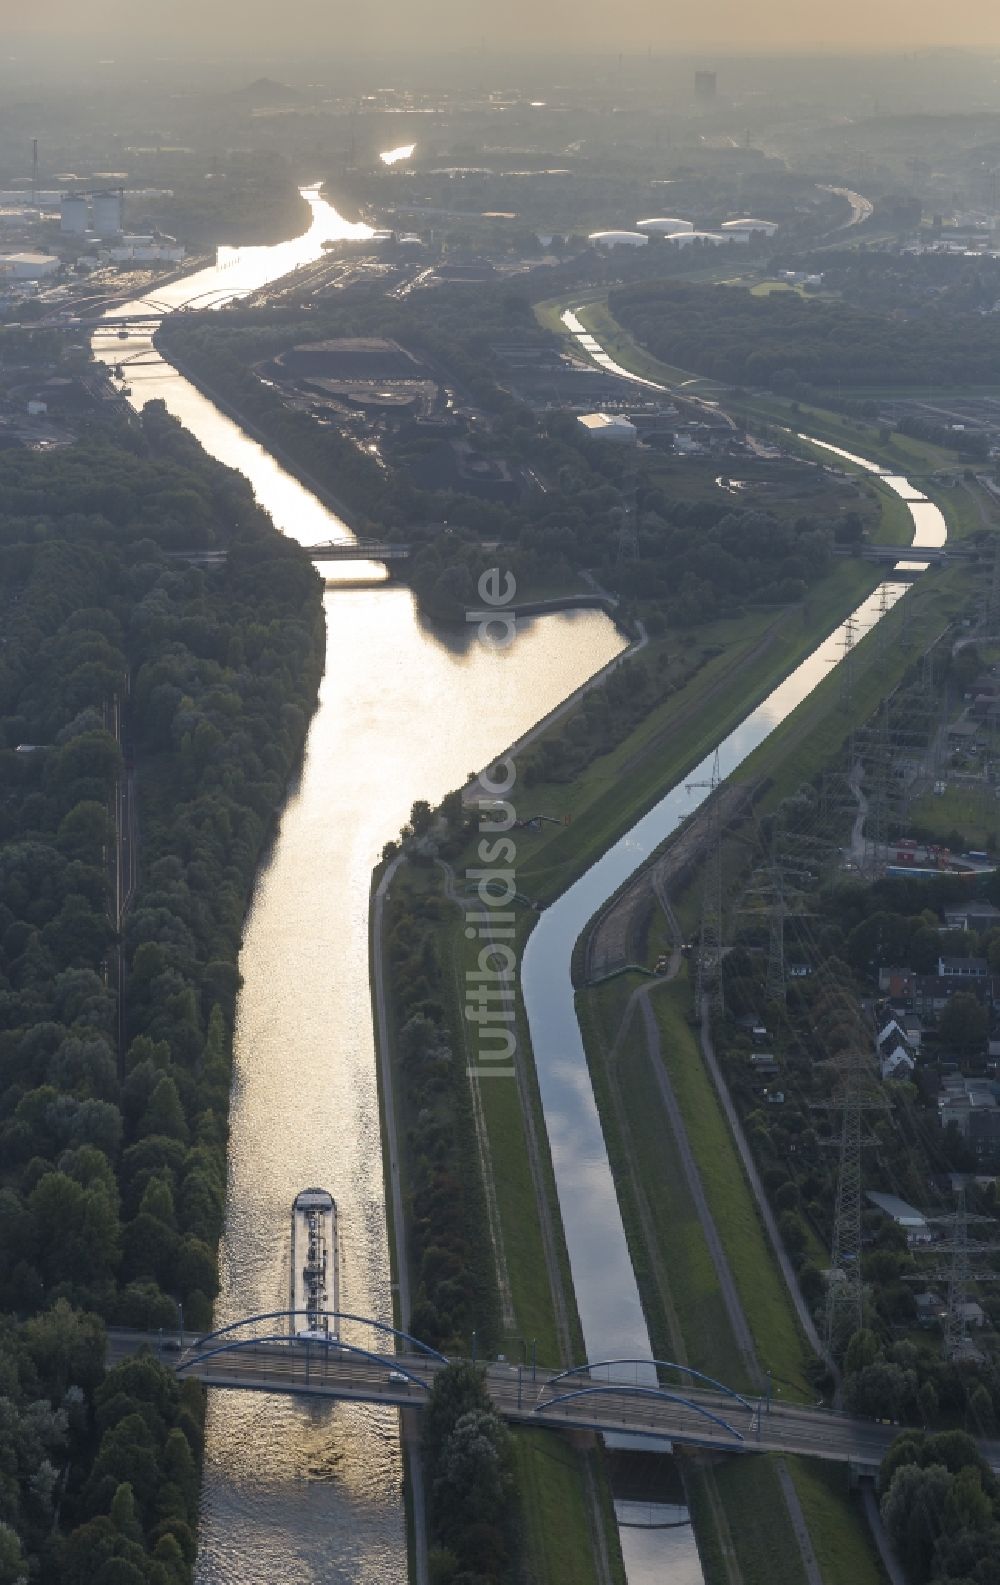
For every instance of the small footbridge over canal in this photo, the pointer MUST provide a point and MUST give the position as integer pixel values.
(367, 1361)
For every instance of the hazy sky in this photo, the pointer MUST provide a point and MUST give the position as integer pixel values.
(514, 25)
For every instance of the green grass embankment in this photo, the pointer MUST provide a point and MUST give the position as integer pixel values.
(838, 1529)
(553, 1481)
(759, 1523)
(800, 748)
(778, 1340)
(615, 789)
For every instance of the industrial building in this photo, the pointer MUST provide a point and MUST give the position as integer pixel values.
(664, 227)
(609, 426)
(101, 212)
(109, 213)
(618, 239)
(74, 214)
(27, 266)
(146, 250)
(912, 1221)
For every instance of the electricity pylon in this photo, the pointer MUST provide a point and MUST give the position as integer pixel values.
(849, 642)
(709, 973)
(858, 1092)
(958, 1273)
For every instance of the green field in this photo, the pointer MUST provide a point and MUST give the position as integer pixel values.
(973, 811)
(810, 739)
(554, 1516)
(780, 1345)
(687, 1263)
(615, 789)
(766, 1547)
(838, 1529)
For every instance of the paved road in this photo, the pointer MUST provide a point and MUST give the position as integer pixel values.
(320, 1370)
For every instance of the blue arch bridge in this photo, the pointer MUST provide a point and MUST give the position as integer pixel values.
(368, 1361)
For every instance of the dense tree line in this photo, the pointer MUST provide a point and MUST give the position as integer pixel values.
(940, 1503)
(113, 1120)
(469, 1467)
(905, 284)
(454, 1274)
(248, 197)
(99, 1471)
(784, 341)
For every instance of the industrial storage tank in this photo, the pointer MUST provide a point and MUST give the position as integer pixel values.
(108, 213)
(73, 214)
(618, 239)
(665, 226)
(681, 239)
(765, 228)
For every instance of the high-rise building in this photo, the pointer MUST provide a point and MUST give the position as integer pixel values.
(705, 85)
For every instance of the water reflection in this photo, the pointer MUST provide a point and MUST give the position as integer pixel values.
(296, 1493)
(607, 1294)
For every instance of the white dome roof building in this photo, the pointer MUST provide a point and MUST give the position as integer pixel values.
(764, 228)
(618, 239)
(684, 239)
(664, 227)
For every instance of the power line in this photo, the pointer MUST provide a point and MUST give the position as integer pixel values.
(709, 969)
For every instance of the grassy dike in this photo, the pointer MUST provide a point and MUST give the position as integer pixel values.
(687, 1321)
(565, 1512)
(557, 1482)
(671, 1259)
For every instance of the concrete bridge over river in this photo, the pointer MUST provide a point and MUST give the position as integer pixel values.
(661, 1400)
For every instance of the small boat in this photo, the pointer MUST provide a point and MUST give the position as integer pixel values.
(315, 1284)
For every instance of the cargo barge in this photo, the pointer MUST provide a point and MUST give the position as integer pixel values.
(315, 1284)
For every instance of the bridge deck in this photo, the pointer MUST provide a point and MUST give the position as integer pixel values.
(320, 1370)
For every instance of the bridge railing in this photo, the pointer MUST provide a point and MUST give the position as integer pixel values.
(623, 1390)
(656, 1364)
(330, 1345)
(327, 1315)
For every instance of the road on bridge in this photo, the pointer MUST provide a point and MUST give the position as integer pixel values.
(318, 1369)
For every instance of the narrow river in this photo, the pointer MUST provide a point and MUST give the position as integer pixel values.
(299, 1494)
(607, 1293)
